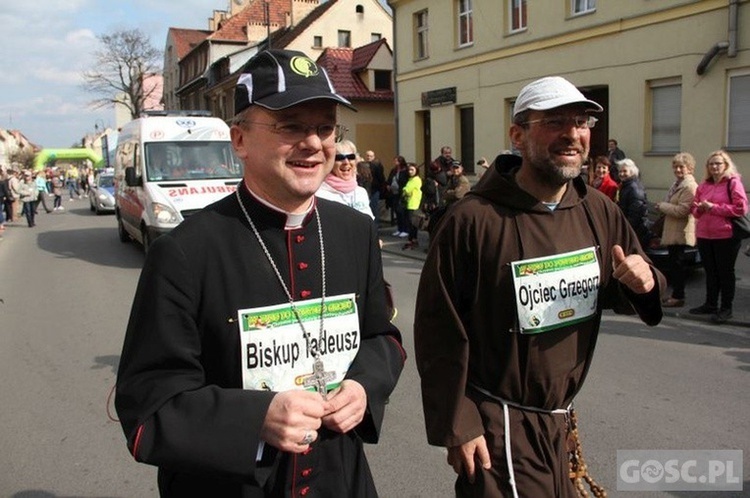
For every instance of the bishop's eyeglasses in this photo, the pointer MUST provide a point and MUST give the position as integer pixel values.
(295, 131)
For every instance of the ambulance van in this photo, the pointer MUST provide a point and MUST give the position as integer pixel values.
(167, 167)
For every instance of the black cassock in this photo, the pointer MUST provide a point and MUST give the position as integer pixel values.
(179, 388)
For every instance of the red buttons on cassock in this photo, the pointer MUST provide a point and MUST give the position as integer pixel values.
(305, 294)
(306, 472)
(302, 266)
(304, 490)
(300, 239)
(308, 450)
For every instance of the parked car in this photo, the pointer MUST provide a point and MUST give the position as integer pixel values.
(659, 254)
(660, 257)
(101, 194)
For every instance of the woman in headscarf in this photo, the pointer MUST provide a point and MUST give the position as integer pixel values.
(340, 185)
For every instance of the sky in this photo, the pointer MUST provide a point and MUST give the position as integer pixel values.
(46, 45)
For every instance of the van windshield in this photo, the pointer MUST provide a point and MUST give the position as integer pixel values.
(188, 160)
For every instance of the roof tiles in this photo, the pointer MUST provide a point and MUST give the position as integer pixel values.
(338, 62)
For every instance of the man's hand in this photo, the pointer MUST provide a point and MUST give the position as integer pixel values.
(290, 417)
(346, 407)
(464, 457)
(632, 271)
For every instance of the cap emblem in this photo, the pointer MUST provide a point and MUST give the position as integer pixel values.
(303, 66)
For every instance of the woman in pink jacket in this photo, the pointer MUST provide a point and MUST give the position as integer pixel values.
(719, 198)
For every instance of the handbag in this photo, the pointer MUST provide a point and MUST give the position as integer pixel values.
(740, 224)
(658, 226)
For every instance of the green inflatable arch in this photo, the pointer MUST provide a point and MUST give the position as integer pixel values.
(47, 155)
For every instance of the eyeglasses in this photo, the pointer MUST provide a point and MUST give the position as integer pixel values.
(557, 123)
(295, 131)
(350, 157)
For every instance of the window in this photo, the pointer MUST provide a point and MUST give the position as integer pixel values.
(517, 15)
(465, 23)
(583, 6)
(666, 113)
(739, 111)
(375, 37)
(345, 38)
(317, 41)
(382, 79)
(421, 28)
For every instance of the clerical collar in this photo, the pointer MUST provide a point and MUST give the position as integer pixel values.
(293, 220)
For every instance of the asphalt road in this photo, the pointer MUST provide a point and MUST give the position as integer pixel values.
(65, 292)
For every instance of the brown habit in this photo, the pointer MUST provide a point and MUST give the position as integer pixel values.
(466, 327)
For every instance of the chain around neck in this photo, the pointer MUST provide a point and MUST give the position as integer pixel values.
(314, 351)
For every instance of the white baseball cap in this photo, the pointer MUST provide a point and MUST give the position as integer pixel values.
(549, 93)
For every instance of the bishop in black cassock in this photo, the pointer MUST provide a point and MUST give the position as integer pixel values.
(179, 391)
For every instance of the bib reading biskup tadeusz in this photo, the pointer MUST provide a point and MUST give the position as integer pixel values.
(275, 354)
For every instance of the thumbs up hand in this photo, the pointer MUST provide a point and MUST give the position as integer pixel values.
(632, 271)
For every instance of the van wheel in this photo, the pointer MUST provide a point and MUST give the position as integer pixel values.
(146, 238)
(124, 237)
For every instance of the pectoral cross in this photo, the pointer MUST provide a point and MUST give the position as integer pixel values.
(319, 378)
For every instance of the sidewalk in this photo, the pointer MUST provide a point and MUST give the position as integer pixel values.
(695, 290)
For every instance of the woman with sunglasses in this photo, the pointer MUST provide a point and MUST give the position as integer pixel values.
(340, 185)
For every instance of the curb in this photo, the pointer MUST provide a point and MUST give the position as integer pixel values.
(684, 315)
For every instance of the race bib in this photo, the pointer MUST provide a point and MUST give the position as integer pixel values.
(556, 291)
(275, 355)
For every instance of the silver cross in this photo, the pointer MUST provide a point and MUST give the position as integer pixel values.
(319, 378)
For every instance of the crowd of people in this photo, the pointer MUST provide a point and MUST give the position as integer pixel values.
(690, 215)
(23, 190)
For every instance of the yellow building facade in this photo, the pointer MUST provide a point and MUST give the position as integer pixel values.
(673, 75)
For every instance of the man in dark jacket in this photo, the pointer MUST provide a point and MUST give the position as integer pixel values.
(445, 160)
(378, 187)
(510, 301)
(259, 353)
(614, 154)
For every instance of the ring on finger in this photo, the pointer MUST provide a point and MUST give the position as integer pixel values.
(307, 439)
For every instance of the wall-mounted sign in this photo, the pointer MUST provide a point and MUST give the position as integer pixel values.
(442, 96)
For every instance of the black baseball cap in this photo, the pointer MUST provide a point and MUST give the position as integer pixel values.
(277, 79)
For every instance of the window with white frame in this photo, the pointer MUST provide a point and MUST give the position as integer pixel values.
(421, 29)
(345, 38)
(583, 6)
(738, 125)
(517, 15)
(465, 23)
(666, 114)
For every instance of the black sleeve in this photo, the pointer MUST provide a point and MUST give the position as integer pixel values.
(162, 397)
